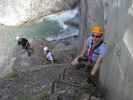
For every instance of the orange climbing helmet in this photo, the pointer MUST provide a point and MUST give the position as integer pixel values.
(97, 30)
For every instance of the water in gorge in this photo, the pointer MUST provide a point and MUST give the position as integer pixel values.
(51, 28)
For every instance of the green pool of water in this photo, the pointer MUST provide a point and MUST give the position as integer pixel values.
(37, 30)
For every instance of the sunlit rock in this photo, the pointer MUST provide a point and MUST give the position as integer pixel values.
(16, 12)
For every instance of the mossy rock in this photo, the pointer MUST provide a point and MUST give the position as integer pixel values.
(11, 76)
(23, 97)
(70, 3)
(43, 96)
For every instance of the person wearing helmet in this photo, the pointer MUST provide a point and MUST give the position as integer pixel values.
(24, 43)
(49, 54)
(96, 50)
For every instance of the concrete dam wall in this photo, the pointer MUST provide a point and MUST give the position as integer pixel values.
(117, 18)
(116, 75)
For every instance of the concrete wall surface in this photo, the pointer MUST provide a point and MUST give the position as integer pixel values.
(117, 71)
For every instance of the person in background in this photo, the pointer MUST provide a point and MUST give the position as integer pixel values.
(95, 49)
(49, 55)
(24, 43)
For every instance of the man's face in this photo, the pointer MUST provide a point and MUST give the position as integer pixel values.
(97, 37)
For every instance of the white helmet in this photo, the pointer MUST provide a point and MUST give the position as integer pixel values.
(45, 48)
(17, 38)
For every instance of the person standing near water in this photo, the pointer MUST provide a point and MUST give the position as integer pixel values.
(49, 55)
(24, 43)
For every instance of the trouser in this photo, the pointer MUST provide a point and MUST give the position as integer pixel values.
(83, 63)
(29, 50)
(90, 77)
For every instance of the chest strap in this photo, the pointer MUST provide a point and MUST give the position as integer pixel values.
(91, 51)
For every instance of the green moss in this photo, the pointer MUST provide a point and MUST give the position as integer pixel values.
(11, 76)
(23, 97)
(44, 96)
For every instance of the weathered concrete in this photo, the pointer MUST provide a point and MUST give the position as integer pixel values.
(116, 73)
(31, 83)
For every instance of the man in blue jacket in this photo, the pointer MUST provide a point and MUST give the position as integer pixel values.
(96, 50)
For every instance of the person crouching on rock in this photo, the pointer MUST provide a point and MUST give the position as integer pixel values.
(24, 43)
(49, 55)
(96, 50)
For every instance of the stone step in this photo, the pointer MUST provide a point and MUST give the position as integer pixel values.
(29, 68)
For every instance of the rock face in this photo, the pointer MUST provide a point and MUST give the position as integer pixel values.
(16, 12)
